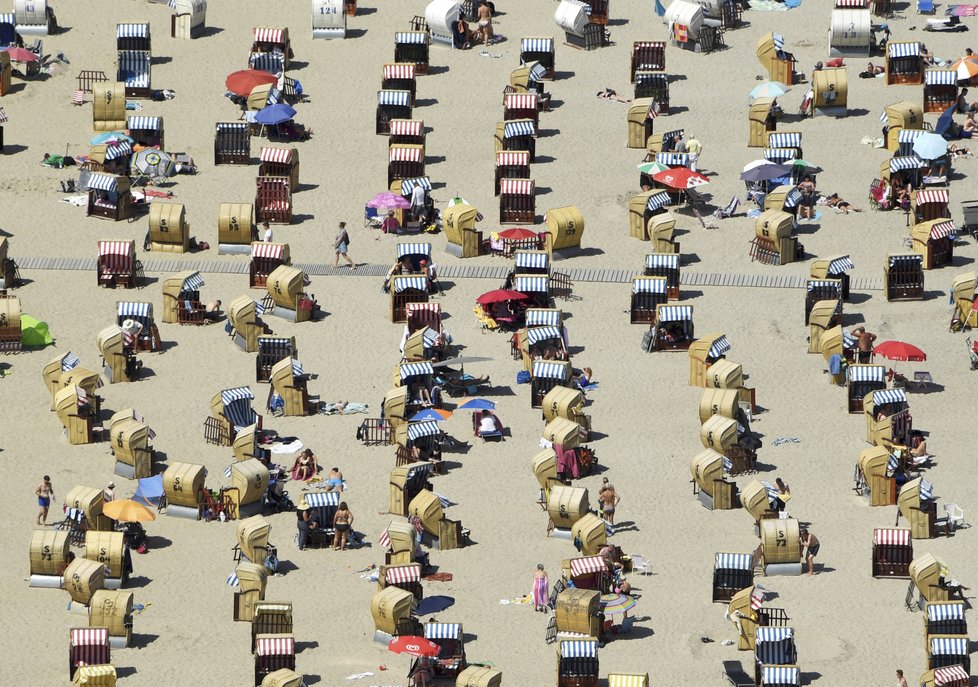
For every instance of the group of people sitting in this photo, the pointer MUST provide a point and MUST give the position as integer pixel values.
(306, 469)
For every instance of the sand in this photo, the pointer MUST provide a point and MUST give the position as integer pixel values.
(849, 627)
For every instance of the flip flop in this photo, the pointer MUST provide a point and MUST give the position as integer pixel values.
(486, 53)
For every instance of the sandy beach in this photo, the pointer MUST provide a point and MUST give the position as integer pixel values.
(850, 628)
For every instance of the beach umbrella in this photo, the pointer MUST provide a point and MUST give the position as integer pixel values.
(127, 510)
(929, 146)
(517, 234)
(413, 646)
(966, 67)
(154, 163)
(616, 604)
(945, 120)
(652, 167)
(476, 404)
(434, 604)
(681, 178)
(274, 114)
(244, 82)
(110, 137)
(769, 89)
(807, 165)
(499, 296)
(899, 350)
(389, 201)
(21, 55)
(431, 414)
(765, 171)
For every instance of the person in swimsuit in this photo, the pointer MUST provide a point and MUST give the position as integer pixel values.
(842, 206)
(901, 681)
(608, 498)
(305, 467)
(335, 480)
(811, 544)
(44, 493)
(485, 22)
(342, 523)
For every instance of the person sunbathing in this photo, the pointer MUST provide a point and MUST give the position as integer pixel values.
(874, 70)
(305, 467)
(335, 480)
(842, 206)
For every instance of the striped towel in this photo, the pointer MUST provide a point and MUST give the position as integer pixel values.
(232, 580)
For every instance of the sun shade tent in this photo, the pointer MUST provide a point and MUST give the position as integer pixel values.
(539, 49)
(289, 382)
(963, 294)
(899, 117)
(280, 162)
(412, 47)
(88, 647)
(892, 553)
(904, 63)
(135, 71)
(940, 89)
(951, 676)
(780, 64)
(392, 609)
(850, 33)
(245, 326)
(146, 131)
(273, 652)
(565, 506)
(273, 200)
(903, 277)
(731, 573)
(761, 120)
(405, 290)
(545, 375)
(934, 240)
(182, 486)
(392, 104)
(328, 19)
(117, 264)
(709, 485)
(109, 196)
(647, 294)
(577, 663)
(232, 143)
(918, 505)
(130, 440)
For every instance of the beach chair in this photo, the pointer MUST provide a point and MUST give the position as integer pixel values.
(135, 72)
(728, 210)
(88, 646)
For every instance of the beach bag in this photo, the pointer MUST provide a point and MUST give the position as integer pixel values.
(305, 304)
(522, 377)
(271, 562)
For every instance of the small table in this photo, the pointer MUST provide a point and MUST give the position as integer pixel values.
(922, 378)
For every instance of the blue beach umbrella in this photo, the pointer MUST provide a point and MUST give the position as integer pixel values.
(929, 146)
(275, 114)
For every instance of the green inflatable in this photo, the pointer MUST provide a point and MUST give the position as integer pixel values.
(34, 333)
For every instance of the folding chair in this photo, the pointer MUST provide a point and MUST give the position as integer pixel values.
(729, 210)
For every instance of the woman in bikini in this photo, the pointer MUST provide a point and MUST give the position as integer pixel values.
(305, 468)
(485, 22)
(342, 524)
(608, 498)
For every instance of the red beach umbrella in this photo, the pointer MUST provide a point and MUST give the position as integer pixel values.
(21, 55)
(414, 646)
(500, 295)
(243, 82)
(899, 350)
(517, 234)
(680, 178)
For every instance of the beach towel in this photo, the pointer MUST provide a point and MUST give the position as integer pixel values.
(767, 6)
(541, 594)
(77, 201)
(961, 10)
(292, 447)
(340, 409)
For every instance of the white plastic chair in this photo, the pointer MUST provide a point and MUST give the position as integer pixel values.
(641, 565)
(955, 516)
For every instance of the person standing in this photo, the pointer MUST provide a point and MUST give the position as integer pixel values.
(541, 589)
(901, 681)
(307, 520)
(342, 244)
(693, 149)
(44, 493)
(811, 544)
(267, 234)
(864, 344)
(608, 498)
(783, 496)
(342, 525)
(485, 22)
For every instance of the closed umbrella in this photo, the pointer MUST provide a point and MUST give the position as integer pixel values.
(244, 82)
(769, 89)
(945, 120)
(278, 113)
(127, 510)
(930, 146)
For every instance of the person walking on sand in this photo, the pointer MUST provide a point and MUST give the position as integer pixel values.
(901, 681)
(811, 544)
(485, 22)
(541, 589)
(693, 149)
(44, 493)
(342, 244)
